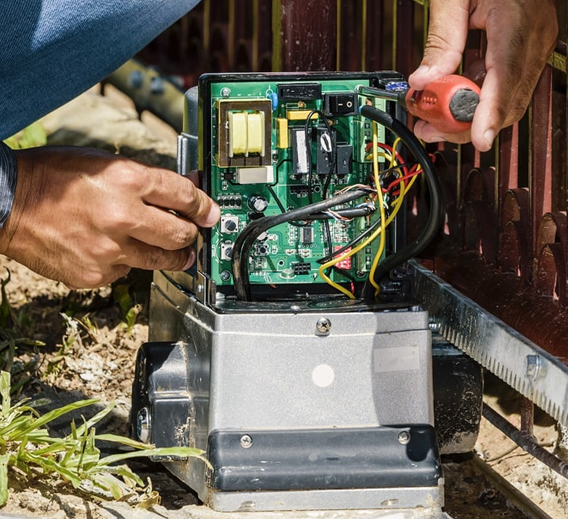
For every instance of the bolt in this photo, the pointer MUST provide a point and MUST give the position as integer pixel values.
(323, 326)
(246, 441)
(403, 437)
(143, 425)
(434, 324)
(534, 363)
(225, 92)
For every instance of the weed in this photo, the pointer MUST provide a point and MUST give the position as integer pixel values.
(27, 448)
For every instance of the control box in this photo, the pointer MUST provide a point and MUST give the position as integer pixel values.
(290, 157)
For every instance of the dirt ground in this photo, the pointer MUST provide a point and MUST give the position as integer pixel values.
(91, 352)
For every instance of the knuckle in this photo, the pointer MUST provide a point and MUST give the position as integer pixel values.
(117, 217)
(129, 178)
(184, 236)
(93, 279)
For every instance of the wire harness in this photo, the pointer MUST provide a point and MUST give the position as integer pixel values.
(386, 194)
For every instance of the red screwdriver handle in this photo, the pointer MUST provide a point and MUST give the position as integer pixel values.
(447, 103)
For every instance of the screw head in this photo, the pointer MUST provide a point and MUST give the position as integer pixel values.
(323, 326)
(533, 366)
(404, 437)
(246, 441)
(225, 92)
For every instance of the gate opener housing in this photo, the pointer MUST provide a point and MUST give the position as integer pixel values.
(294, 353)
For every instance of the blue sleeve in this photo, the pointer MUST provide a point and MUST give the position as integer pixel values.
(52, 50)
(8, 174)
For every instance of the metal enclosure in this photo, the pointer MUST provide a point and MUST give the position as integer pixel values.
(303, 407)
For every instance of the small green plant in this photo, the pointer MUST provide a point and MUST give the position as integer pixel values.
(128, 310)
(30, 137)
(28, 450)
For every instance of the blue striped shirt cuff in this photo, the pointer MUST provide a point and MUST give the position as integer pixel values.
(8, 178)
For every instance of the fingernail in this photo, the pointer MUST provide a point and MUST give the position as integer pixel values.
(190, 260)
(489, 137)
(422, 69)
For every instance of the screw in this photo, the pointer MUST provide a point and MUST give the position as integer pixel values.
(403, 437)
(534, 363)
(434, 324)
(143, 425)
(225, 92)
(225, 275)
(246, 441)
(323, 326)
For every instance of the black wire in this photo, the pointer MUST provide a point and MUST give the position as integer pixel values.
(276, 199)
(355, 212)
(353, 242)
(436, 208)
(245, 240)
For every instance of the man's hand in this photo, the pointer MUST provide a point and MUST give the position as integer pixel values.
(521, 34)
(85, 217)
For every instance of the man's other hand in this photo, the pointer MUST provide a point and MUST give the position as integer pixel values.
(86, 217)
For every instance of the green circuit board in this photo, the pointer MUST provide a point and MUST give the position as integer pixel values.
(276, 146)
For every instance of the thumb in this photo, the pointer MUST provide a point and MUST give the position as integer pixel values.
(447, 34)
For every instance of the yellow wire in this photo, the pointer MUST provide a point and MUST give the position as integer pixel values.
(382, 227)
(373, 236)
(397, 204)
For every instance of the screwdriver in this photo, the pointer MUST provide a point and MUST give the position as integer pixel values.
(447, 103)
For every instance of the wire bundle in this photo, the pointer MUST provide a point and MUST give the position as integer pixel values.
(384, 197)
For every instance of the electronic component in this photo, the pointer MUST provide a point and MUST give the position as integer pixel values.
(258, 204)
(300, 114)
(307, 235)
(344, 159)
(299, 91)
(282, 140)
(260, 175)
(244, 132)
(326, 152)
(229, 224)
(301, 269)
(226, 251)
(300, 158)
(340, 104)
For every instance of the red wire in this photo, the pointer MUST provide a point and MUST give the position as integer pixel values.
(388, 148)
(413, 172)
